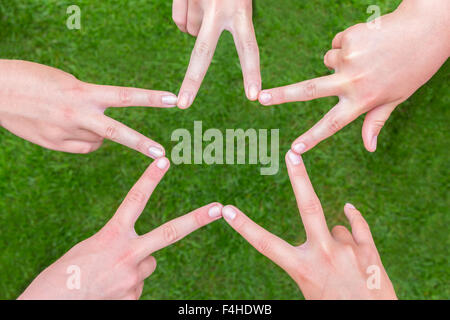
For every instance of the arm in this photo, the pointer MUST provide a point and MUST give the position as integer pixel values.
(114, 263)
(53, 109)
(330, 265)
(375, 70)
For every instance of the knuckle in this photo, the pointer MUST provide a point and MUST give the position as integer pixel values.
(333, 124)
(112, 133)
(199, 218)
(202, 49)
(170, 232)
(311, 207)
(136, 196)
(346, 38)
(124, 95)
(249, 46)
(263, 246)
(378, 124)
(339, 229)
(310, 89)
(141, 145)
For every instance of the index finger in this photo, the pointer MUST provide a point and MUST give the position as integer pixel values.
(268, 244)
(115, 131)
(178, 228)
(326, 86)
(200, 60)
(137, 198)
(112, 96)
(308, 203)
(337, 118)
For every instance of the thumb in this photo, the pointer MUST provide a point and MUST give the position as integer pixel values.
(373, 123)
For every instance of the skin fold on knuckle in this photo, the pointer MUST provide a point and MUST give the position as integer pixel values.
(111, 133)
(311, 207)
(170, 233)
(137, 196)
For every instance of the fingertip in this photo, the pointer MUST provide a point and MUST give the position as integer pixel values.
(215, 210)
(265, 97)
(156, 151)
(253, 92)
(293, 158)
(349, 209)
(229, 213)
(298, 147)
(184, 100)
(169, 100)
(163, 163)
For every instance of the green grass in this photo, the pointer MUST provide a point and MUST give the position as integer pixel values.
(49, 201)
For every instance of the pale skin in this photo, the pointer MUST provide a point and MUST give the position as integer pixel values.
(206, 20)
(53, 109)
(375, 70)
(329, 265)
(114, 262)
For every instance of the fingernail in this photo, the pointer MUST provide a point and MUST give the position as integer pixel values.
(265, 97)
(294, 158)
(162, 163)
(373, 144)
(215, 212)
(253, 92)
(169, 100)
(299, 147)
(228, 213)
(183, 101)
(156, 152)
(349, 206)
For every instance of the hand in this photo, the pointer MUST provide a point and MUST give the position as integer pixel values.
(206, 19)
(375, 70)
(336, 265)
(55, 110)
(114, 263)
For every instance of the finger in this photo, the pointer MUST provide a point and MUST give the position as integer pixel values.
(115, 131)
(373, 123)
(360, 228)
(336, 119)
(268, 244)
(179, 13)
(337, 41)
(194, 18)
(303, 91)
(248, 51)
(341, 234)
(331, 58)
(308, 203)
(177, 229)
(146, 267)
(111, 96)
(200, 60)
(137, 198)
(139, 290)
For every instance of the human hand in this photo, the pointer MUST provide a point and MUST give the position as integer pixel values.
(114, 263)
(336, 265)
(206, 20)
(375, 70)
(53, 109)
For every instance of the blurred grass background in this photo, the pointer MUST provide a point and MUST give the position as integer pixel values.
(49, 201)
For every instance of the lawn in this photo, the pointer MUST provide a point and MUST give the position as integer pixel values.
(49, 201)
